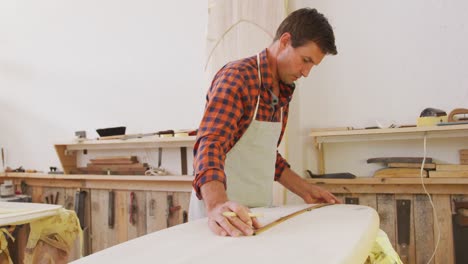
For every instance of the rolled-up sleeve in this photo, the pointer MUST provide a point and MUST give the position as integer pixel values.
(281, 164)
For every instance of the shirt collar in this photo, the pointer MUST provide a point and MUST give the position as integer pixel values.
(286, 90)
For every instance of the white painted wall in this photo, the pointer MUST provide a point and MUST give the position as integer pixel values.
(81, 65)
(395, 59)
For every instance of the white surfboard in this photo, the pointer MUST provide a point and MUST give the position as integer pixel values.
(327, 235)
(16, 213)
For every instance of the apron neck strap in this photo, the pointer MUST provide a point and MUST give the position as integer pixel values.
(260, 85)
(260, 90)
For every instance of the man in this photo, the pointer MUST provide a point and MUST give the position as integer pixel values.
(236, 157)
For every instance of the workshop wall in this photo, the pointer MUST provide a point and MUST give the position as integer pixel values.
(85, 65)
(81, 65)
(395, 58)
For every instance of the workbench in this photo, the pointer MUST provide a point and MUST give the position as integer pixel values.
(142, 204)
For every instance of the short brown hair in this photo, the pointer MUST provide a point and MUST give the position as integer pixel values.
(306, 25)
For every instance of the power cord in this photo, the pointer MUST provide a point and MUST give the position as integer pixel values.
(430, 200)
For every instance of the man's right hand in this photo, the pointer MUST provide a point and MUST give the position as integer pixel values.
(216, 203)
(234, 226)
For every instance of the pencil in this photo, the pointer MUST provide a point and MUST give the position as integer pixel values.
(250, 214)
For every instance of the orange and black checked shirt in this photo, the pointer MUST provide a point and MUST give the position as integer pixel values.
(229, 110)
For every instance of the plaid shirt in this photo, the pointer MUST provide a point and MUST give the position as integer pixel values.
(229, 110)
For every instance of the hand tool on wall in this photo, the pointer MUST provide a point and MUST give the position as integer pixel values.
(461, 213)
(3, 159)
(171, 209)
(341, 175)
(111, 210)
(80, 199)
(152, 207)
(69, 202)
(183, 160)
(403, 227)
(184, 217)
(351, 200)
(51, 199)
(133, 209)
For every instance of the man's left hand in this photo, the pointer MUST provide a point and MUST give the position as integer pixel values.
(309, 192)
(314, 194)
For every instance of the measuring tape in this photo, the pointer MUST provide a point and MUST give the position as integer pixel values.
(289, 216)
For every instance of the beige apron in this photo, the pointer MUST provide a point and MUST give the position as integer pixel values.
(249, 165)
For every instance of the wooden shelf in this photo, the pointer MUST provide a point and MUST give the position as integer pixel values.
(370, 180)
(67, 151)
(385, 134)
(91, 177)
(146, 142)
(394, 185)
(390, 133)
(177, 183)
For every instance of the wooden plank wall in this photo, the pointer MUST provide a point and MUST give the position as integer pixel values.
(445, 251)
(151, 213)
(156, 208)
(386, 210)
(407, 252)
(423, 227)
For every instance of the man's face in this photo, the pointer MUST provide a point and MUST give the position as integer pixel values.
(293, 63)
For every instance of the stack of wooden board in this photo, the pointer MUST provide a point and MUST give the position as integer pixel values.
(403, 167)
(450, 171)
(464, 156)
(117, 165)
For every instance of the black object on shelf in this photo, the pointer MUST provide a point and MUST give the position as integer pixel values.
(341, 175)
(111, 131)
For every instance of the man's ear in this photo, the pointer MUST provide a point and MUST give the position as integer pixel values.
(285, 39)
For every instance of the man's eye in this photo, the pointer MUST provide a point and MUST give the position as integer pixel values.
(306, 60)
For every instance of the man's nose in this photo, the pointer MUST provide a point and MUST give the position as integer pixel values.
(306, 70)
